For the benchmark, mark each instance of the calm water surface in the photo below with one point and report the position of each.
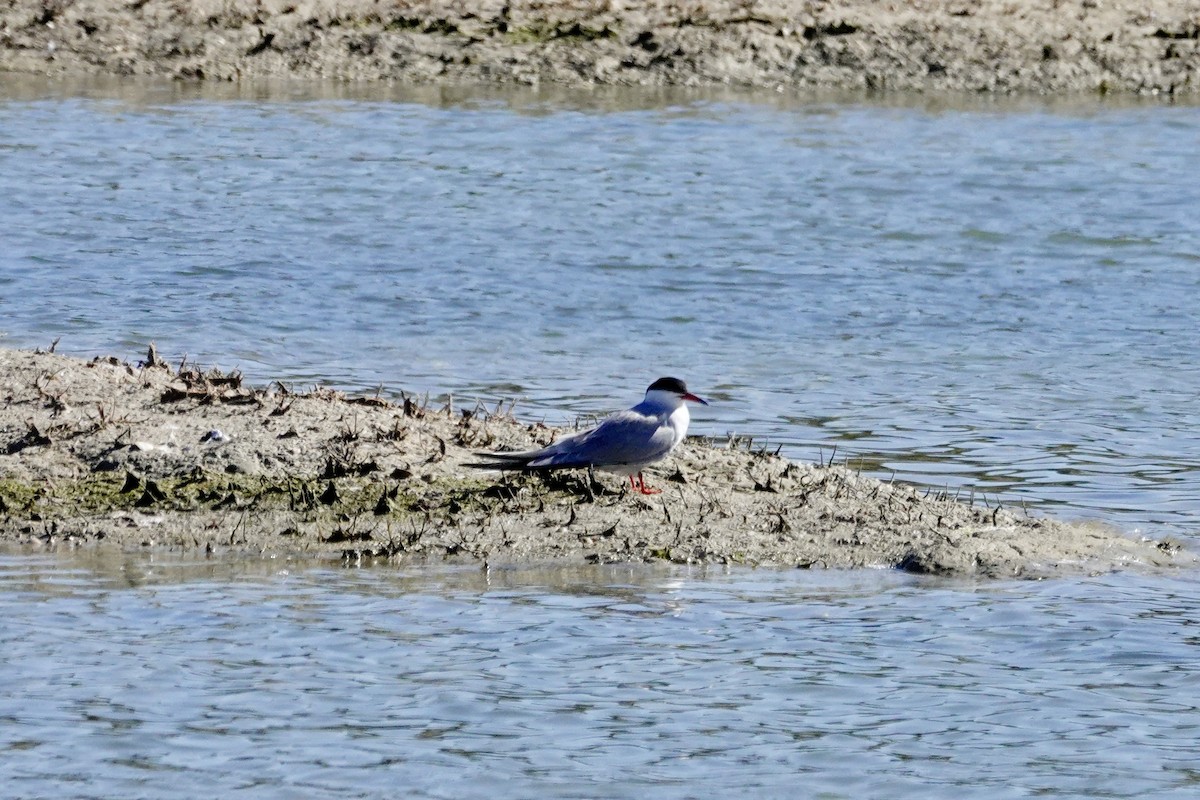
(132, 676)
(998, 298)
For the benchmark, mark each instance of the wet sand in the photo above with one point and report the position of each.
(1032, 46)
(157, 455)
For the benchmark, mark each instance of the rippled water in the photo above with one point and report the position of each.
(999, 298)
(133, 676)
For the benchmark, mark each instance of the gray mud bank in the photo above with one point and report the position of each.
(1032, 46)
(156, 455)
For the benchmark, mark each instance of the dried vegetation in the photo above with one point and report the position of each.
(154, 455)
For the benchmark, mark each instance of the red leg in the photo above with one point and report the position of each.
(642, 487)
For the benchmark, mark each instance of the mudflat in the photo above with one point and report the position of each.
(159, 455)
(1002, 46)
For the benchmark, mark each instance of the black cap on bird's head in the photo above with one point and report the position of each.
(674, 386)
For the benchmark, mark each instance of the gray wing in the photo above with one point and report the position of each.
(624, 438)
(523, 459)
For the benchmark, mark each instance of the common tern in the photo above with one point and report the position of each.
(625, 443)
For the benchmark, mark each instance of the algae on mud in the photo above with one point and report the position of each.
(147, 455)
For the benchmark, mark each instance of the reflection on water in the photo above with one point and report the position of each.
(133, 675)
(544, 99)
(986, 296)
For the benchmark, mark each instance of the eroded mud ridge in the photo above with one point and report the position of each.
(1041, 46)
(158, 455)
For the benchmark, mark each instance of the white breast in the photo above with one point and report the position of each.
(678, 421)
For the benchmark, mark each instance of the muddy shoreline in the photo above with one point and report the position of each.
(1034, 46)
(149, 454)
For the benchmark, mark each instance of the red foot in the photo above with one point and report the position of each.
(639, 485)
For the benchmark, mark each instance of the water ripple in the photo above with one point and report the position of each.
(972, 297)
(171, 678)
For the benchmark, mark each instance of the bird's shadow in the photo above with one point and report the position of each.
(582, 484)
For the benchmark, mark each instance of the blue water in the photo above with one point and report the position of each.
(1000, 298)
(138, 677)
(995, 299)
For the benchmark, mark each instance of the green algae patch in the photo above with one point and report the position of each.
(61, 498)
(105, 493)
(16, 497)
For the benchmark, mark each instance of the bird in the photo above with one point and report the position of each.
(625, 443)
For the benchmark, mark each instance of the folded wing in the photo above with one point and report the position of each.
(626, 438)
